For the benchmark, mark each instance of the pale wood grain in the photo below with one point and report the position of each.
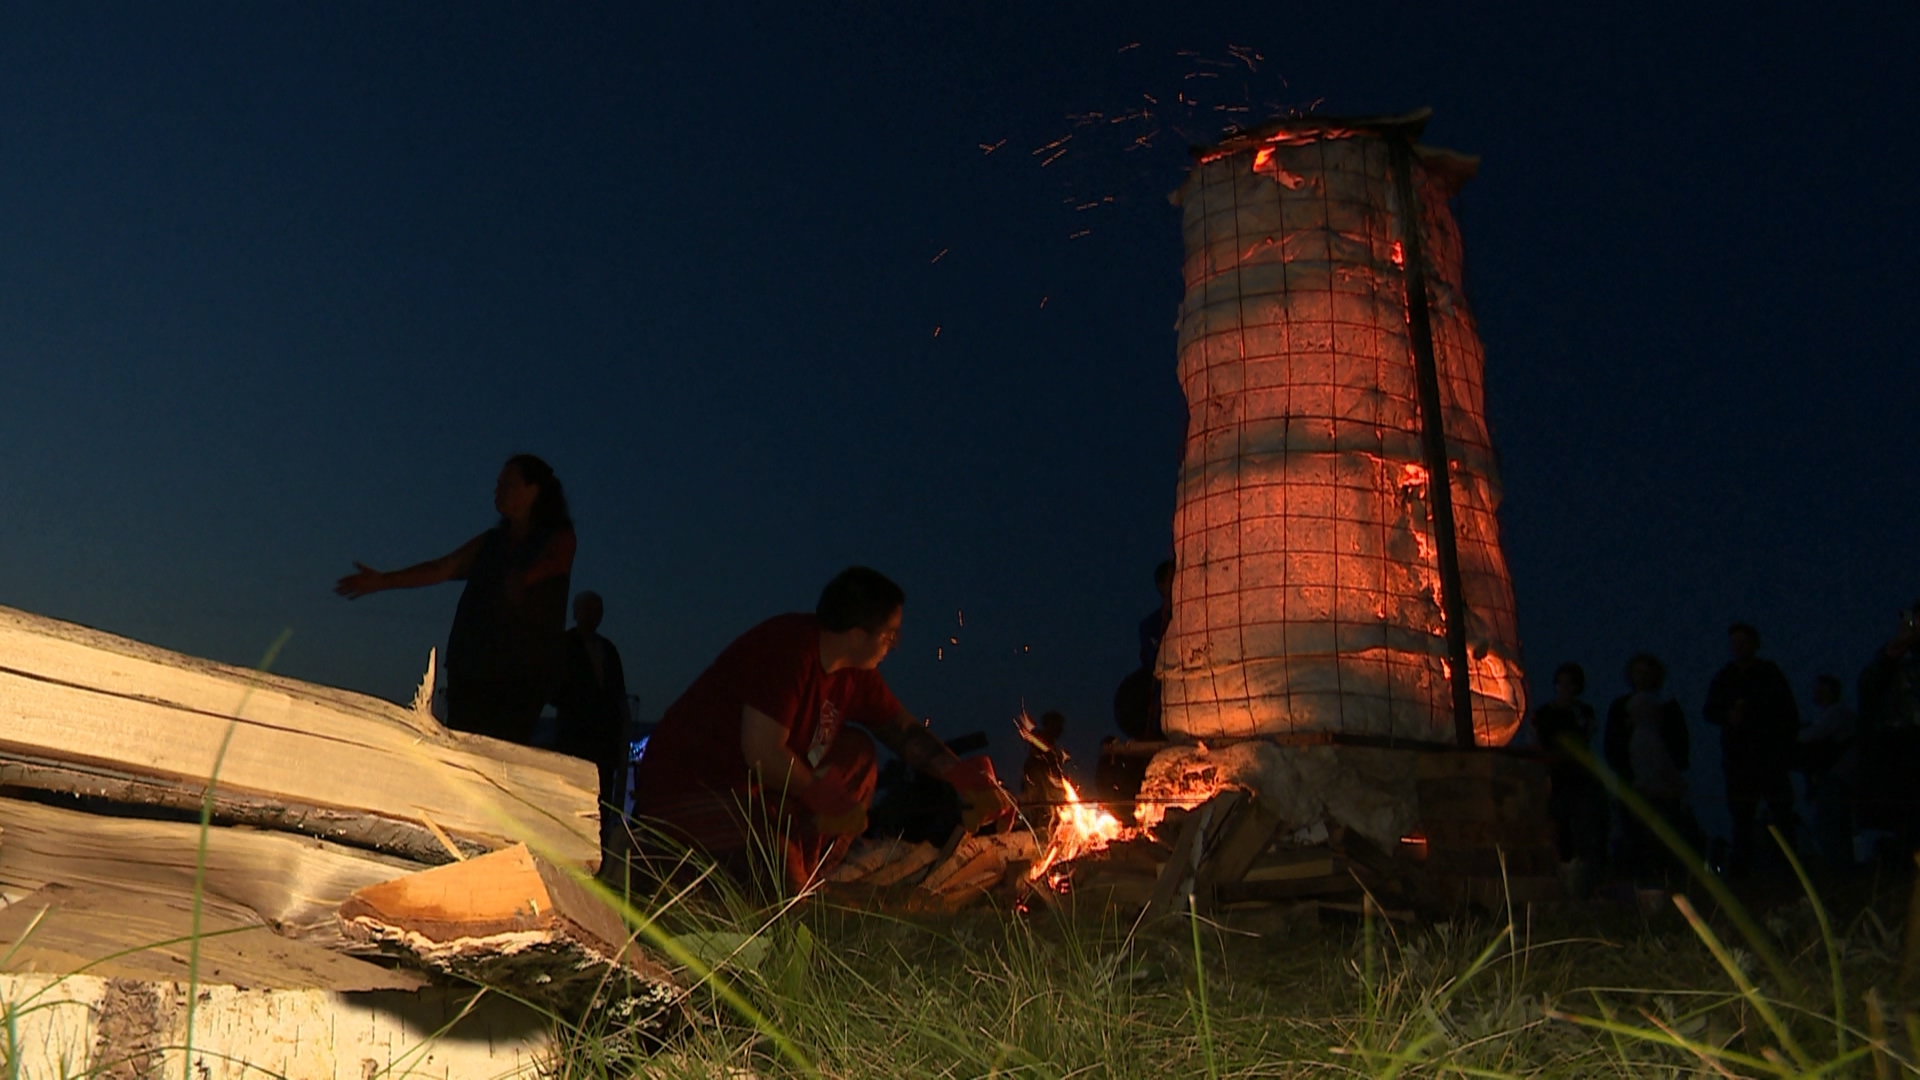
(309, 758)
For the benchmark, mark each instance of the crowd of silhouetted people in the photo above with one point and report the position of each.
(1859, 765)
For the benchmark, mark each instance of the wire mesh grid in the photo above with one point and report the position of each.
(1306, 593)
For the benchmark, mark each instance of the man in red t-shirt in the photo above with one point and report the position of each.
(760, 754)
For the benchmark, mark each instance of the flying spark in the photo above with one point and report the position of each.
(985, 149)
(942, 255)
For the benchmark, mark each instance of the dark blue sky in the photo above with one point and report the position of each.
(282, 285)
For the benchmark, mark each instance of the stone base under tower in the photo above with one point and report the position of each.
(1433, 829)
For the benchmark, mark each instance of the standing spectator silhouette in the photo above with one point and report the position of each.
(1578, 801)
(1752, 704)
(1830, 756)
(503, 652)
(1889, 733)
(1648, 747)
(1136, 704)
(591, 701)
(1153, 628)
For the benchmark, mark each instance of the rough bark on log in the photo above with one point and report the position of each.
(292, 883)
(121, 934)
(512, 920)
(87, 712)
(123, 1029)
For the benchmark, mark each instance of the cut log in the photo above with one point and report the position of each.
(121, 934)
(93, 714)
(291, 883)
(514, 921)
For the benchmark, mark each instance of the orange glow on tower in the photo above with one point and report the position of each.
(1306, 595)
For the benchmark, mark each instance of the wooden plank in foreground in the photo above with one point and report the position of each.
(86, 712)
(119, 934)
(513, 921)
(291, 883)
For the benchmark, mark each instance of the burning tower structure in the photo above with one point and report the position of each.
(1338, 567)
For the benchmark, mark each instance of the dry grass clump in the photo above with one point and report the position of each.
(1580, 991)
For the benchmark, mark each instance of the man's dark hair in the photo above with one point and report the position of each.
(1744, 628)
(1162, 572)
(1829, 683)
(858, 596)
(1570, 668)
(1656, 668)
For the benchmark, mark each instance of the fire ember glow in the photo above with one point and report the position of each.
(1079, 829)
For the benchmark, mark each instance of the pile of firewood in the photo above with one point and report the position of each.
(352, 844)
(918, 877)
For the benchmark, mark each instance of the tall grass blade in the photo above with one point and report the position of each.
(1200, 983)
(1826, 938)
(200, 853)
(1747, 990)
(1756, 936)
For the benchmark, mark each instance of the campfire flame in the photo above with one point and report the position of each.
(1079, 828)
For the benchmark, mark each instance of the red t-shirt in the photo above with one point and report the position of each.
(774, 667)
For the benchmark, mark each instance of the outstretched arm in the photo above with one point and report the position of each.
(365, 579)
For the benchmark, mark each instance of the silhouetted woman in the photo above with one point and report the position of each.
(504, 651)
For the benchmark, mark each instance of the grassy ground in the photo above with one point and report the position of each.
(1591, 990)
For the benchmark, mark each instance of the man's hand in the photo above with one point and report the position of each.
(364, 579)
(982, 799)
(835, 812)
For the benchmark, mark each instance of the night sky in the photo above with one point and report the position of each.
(282, 285)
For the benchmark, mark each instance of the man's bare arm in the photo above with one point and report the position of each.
(920, 748)
(764, 743)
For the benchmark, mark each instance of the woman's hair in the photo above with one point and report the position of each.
(1578, 674)
(550, 506)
